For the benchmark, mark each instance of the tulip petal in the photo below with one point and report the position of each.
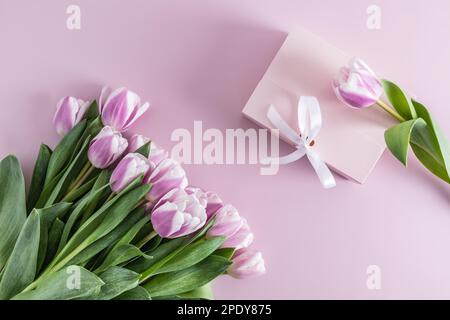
(247, 264)
(106, 148)
(166, 220)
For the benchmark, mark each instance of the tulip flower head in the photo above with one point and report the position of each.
(136, 141)
(357, 85)
(128, 169)
(178, 214)
(167, 175)
(69, 111)
(157, 154)
(227, 222)
(106, 148)
(212, 200)
(199, 194)
(121, 108)
(246, 263)
(242, 238)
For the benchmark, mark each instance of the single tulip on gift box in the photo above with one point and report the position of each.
(357, 86)
(306, 65)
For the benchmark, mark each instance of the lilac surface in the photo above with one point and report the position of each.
(200, 60)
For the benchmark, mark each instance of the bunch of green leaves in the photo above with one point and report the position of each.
(420, 131)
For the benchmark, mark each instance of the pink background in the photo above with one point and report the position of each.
(200, 60)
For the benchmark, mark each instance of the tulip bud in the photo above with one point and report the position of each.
(178, 214)
(241, 239)
(167, 175)
(121, 109)
(137, 141)
(106, 148)
(357, 85)
(69, 111)
(129, 168)
(215, 203)
(246, 264)
(227, 223)
(157, 154)
(211, 200)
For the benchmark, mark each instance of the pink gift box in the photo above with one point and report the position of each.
(351, 141)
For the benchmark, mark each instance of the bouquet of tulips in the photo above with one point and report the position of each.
(358, 87)
(105, 218)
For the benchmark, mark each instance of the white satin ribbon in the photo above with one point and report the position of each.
(309, 124)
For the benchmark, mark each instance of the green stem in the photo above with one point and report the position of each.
(82, 172)
(390, 110)
(110, 197)
(147, 238)
(82, 177)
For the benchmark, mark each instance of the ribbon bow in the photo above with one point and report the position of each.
(309, 123)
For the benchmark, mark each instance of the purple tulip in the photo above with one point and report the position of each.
(167, 175)
(106, 148)
(357, 85)
(178, 214)
(211, 200)
(246, 264)
(129, 168)
(121, 109)
(227, 223)
(242, 238)
(69, 111)
(157, 154)
(137, 141)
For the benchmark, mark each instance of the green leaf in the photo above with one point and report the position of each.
(77, 212)
(161, 252)
(174, 283)
(92, 111)
(201, 293)
(205, 292)
(117, 281)
(123, 251)
(20, 269)
(192, 254)
(72, 282)
(49, 214)
(152, 244)
(54, 191)
(80, 191)
(63, 151)
(144, 150)
(397, 139)
(138, 293)
(38, 178)
(110, 239)
(102, 180)
(12, 205)
(143, 233)
(54, 236)
(399, 100)
(225, 252)
(157, 262)
(430, 145)
(47, 217)
(93, 127)
(131, 234)
(48, 189)
(121, 254)
(120, 210)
